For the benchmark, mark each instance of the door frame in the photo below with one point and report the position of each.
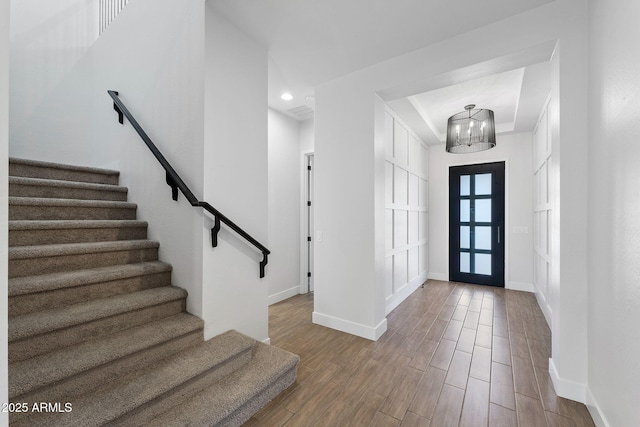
(507, 214)
(306, 221)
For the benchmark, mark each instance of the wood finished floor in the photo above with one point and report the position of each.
(453, 355)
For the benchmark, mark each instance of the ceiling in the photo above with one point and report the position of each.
(311, 42)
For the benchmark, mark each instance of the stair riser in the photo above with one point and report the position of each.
(246, 411)
(77, 235)
(69, 213)
(56, 264)
(100, 376)
(49, 192)
(28, 303)
(32, 346)
(177, 395)
(32, 171)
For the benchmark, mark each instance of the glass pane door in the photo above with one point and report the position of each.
(476, 224)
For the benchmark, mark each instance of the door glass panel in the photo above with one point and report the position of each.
(483, 264)
(465, 237)
(464, 262)
(464, 185)
(483, 210)
(483, 237)
(483, 184)
(465, 215)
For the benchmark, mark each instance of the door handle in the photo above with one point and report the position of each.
(498, 234)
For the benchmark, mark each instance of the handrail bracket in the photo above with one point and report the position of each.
(174, 186)
(263, 264)
(214, 232)
(118, 110)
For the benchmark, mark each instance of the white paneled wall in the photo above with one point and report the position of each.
(407, 211)
(542, 207)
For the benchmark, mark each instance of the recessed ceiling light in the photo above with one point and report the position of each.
(286, 96)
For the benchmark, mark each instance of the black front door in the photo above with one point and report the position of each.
(476, 224)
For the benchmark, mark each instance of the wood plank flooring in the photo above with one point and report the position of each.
(453, 355)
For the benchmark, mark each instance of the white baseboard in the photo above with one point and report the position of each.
(281, 296)
(520, 286)
(267, 341)
(546, 309)
(396, 299)
(565, 388)
(438, 276)
(353, 328)
(594, 409)
(578, 392)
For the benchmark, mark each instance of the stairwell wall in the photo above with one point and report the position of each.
(47, 39)
(153, 55)
(4, 192)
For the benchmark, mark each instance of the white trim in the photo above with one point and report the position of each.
(304, 159)
(396, 299)
(353, 328)
(438, 276)
(565, 388)
(546, 308)
(594, 409)
(281, 296)
(520, 286)
(267, 341)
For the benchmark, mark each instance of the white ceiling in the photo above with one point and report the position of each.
(311, 42)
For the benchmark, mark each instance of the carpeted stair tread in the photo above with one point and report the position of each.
(53, 188)
(18, 225)
(57, 290)
(49, 368)
(45, 259)
(67, 279)
(41, 251)
(45, 321)
(223, 402)
(46, 232)
(48, 170)
(45, 201)
(106, 405)
(42, 208)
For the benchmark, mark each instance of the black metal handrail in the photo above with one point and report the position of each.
(176, 183)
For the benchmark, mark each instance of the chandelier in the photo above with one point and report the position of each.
(471, 130)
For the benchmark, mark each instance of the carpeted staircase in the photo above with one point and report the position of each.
(97, 333)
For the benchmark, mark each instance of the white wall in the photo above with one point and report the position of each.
(515, 151)
(284, 207)
(568, 229)
(4, 193)
(235, 178)
(306, 136)
(406, 211)
(544, 193)
(349, 185)
(614, 206)
(47, 39)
